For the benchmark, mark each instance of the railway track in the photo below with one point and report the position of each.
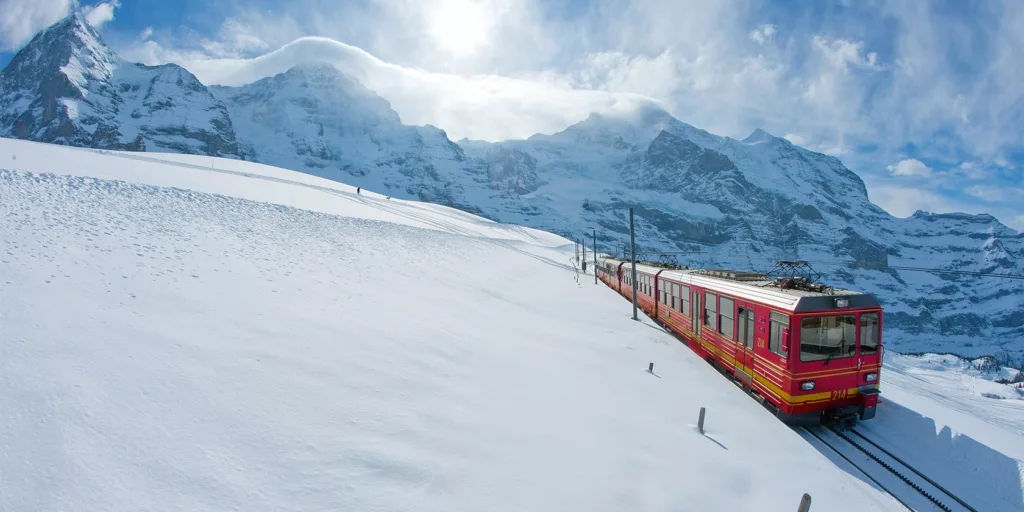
(909, 486)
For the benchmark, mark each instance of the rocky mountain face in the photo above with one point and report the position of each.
(700, 199)
(710, 201)
(67, 87)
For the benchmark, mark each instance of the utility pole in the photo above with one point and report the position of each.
(583, 245)
(632, 258)
(595, 255)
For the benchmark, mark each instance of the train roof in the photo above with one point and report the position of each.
(759, 288)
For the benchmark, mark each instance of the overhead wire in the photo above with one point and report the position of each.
(848, 264)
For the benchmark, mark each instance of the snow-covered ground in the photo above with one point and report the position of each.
(941, 415)
(185, 333)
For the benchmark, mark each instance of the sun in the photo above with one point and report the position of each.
(459, 26)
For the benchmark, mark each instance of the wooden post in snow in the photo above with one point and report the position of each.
(805, 503)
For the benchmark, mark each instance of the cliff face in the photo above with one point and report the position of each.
(67, 87)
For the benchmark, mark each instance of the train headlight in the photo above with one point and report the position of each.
(871, 377)
(807, 386)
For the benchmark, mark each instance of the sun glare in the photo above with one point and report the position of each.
(459, 26)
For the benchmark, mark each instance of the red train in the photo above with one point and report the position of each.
(813, 354)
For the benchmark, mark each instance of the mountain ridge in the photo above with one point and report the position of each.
(716, 200)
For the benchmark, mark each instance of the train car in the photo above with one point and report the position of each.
(608, 272)
(814, 354)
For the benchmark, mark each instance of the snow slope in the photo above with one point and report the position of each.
(178, 334)
(941, 415)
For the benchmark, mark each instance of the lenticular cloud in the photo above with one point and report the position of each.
(486, 107)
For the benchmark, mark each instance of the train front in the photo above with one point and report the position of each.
(840, 357)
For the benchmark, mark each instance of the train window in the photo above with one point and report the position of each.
(675, 296)
(710, 310)
(684, 306)
(726, 320)
(869, 333)
(778, 323)
(827, 337)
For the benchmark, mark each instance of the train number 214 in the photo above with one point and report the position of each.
(839, 394)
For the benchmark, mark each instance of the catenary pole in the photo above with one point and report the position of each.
(583, 245)
(595, 255)
(632, 258)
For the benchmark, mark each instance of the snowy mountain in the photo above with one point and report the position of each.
(67, 87)
(719, 201)
(320, 121)
(747, 204)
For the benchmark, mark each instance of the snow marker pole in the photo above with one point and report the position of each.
(700, 420)
(805, 503)
(632, 257)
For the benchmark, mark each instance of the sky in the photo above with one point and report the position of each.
(925, 100)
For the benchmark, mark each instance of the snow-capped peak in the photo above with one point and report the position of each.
(71, 46)
(759, 136)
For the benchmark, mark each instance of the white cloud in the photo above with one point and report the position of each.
(985, 192)
(765, 34)
(101, 13)
(486, 107)
(994, 194)
(844, 54)
(795, 139)
(1017, 223)
(904, 201)
(146, 33)
(235, 39)
(971, 170)
(20, 20)
(910, 167)
(656, 77)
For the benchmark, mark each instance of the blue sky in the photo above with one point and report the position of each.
(925, 100)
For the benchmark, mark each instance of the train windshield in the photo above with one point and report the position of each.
(828, 337)
(869, 333)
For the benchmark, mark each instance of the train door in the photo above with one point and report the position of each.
(746, 329)
(869, 353)
(698, 311)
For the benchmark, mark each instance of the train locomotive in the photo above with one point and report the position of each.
(811, 354)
